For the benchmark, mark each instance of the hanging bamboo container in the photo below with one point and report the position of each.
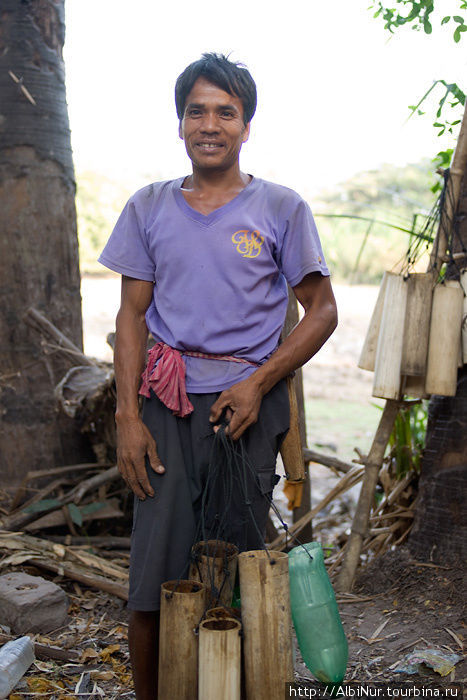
(368, 354)
(222, 613)
(445, 333)
(291, 448)
(219, 659)
(414, 387)
(182, 608)
(387, 380)
(267, 623)
(215, 564)
(417, 324)
(464, 318)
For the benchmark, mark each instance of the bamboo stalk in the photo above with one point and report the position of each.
(215, 565)
(291, 448)
(182, 608)
(456, 173)
(219, 659)
(368, 355)
(360, 522)
(267, 623)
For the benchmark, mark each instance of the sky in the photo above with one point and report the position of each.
(333, 87)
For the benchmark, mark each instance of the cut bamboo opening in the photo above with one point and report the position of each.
(182, 608)
(219, 659)
(267, 623)
(215, 564)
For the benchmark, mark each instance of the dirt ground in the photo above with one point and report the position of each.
(399, 605)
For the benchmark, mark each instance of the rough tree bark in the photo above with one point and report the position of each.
(38, 244)
(440, 526)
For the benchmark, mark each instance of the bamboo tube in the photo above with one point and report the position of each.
(182, 607)
(267, 624)
(222, 613)
(387, 379)
(464, 317)
(216, 566)
(417, 324)
(291, 448)
(368, 354)
(353, 546)
(219, 659)
(445, 330)
(414, 387)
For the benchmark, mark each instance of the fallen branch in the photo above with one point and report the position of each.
(326, 460)
(42, 651)
(47, 329)
(346, 483)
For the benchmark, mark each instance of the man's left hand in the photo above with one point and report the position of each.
(242, 403)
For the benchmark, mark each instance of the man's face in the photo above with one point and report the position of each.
(212, 126)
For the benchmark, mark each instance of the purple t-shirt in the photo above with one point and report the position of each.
(221, 279)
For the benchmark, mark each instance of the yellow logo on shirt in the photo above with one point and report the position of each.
(248, 243)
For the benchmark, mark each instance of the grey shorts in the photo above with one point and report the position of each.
(166, 526)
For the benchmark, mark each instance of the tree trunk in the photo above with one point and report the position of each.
(38, 246)
(440, 525)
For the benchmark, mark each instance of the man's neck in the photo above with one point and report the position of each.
(220, 180)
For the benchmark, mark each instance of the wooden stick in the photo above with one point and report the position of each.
(291, 448)
(78, 574)
(326, 460)
(362, 514)
(456, 172)
(44, 652)
(40, 323)
(343, 485)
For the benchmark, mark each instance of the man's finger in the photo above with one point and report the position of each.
(141, 477)
(217, 408)
(154, 459)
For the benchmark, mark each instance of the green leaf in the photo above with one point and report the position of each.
(445, 20)
(46, 504)
(75, 514)
(427, 26)
(92, 508)
(458, 19)
(457, 34)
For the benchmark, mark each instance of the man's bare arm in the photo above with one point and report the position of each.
(134, 440)
(243, 400)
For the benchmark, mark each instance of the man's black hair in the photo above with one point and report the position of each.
(231, 77)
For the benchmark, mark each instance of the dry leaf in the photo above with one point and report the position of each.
(102, 675)
(106, 653)
(88, 653)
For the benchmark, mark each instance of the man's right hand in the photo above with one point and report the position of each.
(134, 442)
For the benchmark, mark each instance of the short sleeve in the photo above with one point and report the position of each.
(301, 251)
(127, 250)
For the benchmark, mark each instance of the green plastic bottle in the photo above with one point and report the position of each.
(316, 619)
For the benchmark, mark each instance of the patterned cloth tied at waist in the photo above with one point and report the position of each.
(165, 374)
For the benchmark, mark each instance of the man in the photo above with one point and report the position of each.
(205, 261)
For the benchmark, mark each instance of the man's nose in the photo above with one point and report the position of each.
(210, 123)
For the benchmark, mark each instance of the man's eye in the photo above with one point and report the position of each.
(227, 113)
(194, 112)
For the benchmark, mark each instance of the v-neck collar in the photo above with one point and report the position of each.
(208, 219)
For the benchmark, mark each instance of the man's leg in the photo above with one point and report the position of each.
(143, 640)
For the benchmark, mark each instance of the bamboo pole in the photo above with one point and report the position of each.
(291, 448)
(182, 608)
(267, 623)
(445, 337)
(368, 354)
(387, 380)
(417, 324)
(216, 566)
(464, 317)
(456, 172)
(365, 500)
(219, 659)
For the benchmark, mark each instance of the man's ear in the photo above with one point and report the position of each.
(180, 132)
(246, 133)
